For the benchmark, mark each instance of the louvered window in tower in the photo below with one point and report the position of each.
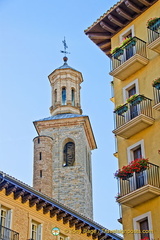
(69, 154)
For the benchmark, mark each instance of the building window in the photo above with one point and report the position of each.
(36, 231)
(130, 50)
(40, 156)
(5, 222)
(136, 151)
(130, 89)
(69, 154)
(63, 96)
(55, 95)
(5, 216)
(40, 173)
(73, 97)
(38, 140)
(143, 225)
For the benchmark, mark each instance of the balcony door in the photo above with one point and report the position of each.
(139, 177)
(133, 108)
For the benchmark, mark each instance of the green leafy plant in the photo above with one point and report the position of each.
(114, 50)
(134, 97)
(155, 81)
(151, 21)
(125, 41)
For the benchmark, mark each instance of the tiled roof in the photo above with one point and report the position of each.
(61, 116)
(104, 15)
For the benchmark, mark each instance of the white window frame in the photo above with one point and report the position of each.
(131, 148)
(128, 87)
(39, 229)
(8, 219)
(121, 36)
(136, 225)
(131, 28)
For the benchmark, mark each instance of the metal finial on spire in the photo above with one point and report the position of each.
(65, 52)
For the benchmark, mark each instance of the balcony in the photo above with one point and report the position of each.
(135, 119)
(132, 58)
(8, 234)
(154, 37)
(156, 93)
(141, 187)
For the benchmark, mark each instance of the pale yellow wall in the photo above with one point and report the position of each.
(23, 214)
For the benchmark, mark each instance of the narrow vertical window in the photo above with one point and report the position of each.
(63, 96)
(69, 154)
(36, 230)
(143, 229)
(38, 140)
(55, 95)
(40, 156)
(41, 173)
(73, 97)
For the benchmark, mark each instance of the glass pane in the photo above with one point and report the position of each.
(63, 96)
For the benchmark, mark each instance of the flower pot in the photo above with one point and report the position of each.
(155, 25)
(118, 53)
(128, 176)
(137, 100)
(157, 86)
(121, 110)
(131, 44)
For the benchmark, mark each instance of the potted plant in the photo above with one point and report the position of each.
(153, 23)
(116, 52)
(135, 99)
(156, 83)
(128, 42)
(124, 173)
(138, 165)
(121, 109)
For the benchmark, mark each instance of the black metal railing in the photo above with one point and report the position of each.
(8, 234)
(149, 176)
(156, 94)
(134, 46)
(134, 110)
(153, 31)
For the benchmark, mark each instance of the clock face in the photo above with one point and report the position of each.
(55, 231)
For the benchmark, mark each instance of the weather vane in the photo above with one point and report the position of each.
(65, 47)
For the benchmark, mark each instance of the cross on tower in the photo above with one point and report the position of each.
(65, 47)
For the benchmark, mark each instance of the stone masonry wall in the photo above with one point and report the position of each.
(42, 181)
(70, 185)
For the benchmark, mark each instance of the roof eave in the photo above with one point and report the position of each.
(114, 20)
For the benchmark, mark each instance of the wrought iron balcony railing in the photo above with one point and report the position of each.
(8, 234)
(153, 32)
(132, 47)
(150, 176)
(136, 108)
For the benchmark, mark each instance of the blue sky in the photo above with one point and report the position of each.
(30, 44)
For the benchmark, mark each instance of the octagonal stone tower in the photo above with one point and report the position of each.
(62, 149)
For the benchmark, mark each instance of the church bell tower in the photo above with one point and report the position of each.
(62, 149)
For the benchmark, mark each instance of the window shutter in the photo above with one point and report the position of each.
(39, 232)
(8, 219)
